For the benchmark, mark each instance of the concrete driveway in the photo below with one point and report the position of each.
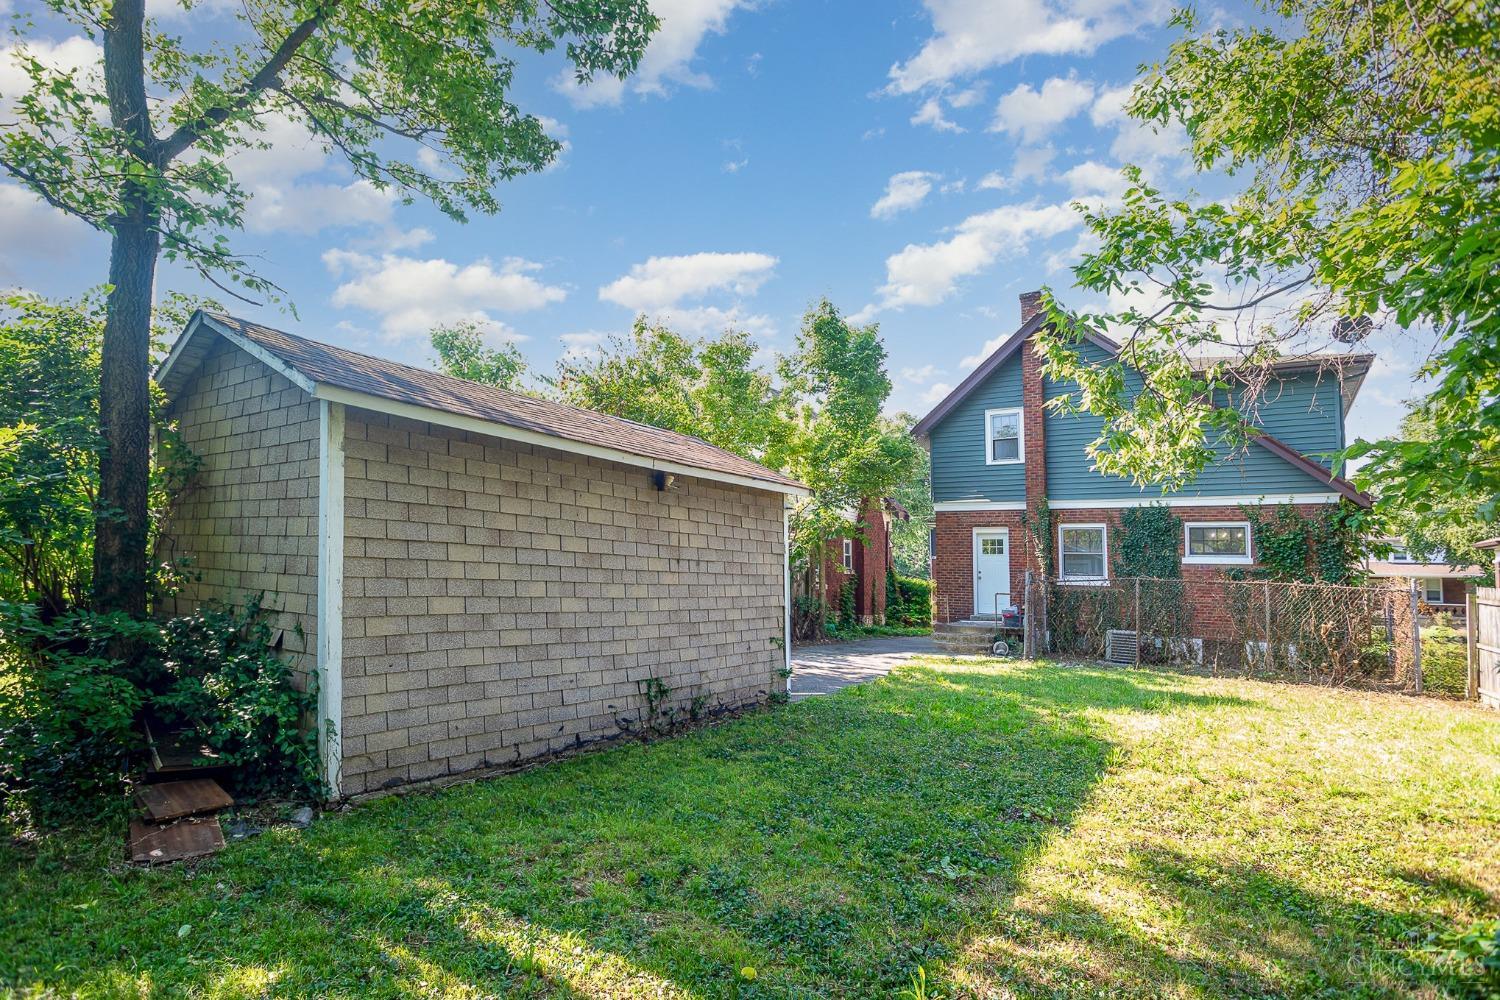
(822, 669)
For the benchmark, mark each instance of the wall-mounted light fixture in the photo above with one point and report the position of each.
(662, 480)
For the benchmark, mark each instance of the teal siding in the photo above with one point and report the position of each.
(1304, 410)
(1301, 411)
(959, 471)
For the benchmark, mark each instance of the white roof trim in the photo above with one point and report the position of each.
(954, 506)
(459, 421)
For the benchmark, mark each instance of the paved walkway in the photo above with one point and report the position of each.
(823, 669)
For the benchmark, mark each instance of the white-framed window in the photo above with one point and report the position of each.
(1004, 437)
(1399, 553)
(1432, 589)
(1216, 542)
(848, 555)
(1083, 553)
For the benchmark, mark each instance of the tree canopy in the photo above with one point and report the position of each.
(462, 352)
(142, 148)
(1367, 135)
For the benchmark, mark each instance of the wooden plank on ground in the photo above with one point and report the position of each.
(153, 844)
(171, 800)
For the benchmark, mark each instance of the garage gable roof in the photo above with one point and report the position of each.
(341, 375)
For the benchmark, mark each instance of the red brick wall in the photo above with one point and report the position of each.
(872, 554)
(953, 567)
(1033, 416)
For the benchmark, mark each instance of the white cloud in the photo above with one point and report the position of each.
(936, 392)
(1030, 164)
(735, 166)
(582, 346)
(1094, 178)
(926, 274)
(1032, 114)
(664, 281)
(669, 55)
(968, 97)
(707, 321)
(974, 35)
(1135, 142)
(931, 113)
(412, 295)
(921, 374)
(990, 347)
(76, 57)
(35, 230)
(903, 192)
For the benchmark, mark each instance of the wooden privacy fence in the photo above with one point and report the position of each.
(1484, 645)
(1311, 632)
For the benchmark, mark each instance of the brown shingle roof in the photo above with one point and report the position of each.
(328, 365)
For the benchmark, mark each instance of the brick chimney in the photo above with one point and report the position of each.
(1031, 304)
(1033, 395)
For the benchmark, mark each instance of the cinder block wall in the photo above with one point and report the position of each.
(250, 521)
(503, 601)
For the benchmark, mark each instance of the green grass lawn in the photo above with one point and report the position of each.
(1014, 829)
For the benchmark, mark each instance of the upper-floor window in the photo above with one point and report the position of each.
(1400, 553)
(1083, 553)
(848, 555)
(1216, 542)
(1003, 440)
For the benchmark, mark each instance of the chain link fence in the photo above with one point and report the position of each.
(1310, 632)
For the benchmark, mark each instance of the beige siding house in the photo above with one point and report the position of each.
(475, 576)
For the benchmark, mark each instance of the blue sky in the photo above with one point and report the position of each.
(912, 161)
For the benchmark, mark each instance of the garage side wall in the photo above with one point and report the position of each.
(504, 601)
(249, 522)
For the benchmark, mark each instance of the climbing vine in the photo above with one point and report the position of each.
(1147, 543)
(1040, 526)
(1291, 548)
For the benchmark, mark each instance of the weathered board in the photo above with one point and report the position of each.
(171, 800)
(1487, 644)
(152, 844)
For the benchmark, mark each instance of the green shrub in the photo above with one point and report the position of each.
(1445, 658)
(77, 687)
(908, 601)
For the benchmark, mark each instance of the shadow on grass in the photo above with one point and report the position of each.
(833, 846)
(1245, 932)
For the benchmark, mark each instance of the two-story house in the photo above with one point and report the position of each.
(999, 452)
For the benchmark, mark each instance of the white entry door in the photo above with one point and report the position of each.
(991, 570)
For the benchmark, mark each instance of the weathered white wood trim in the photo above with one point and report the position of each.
(250, 347)
(331, 591)
(954, 506)
(1226, 501)
(786, 588)
(491, 428)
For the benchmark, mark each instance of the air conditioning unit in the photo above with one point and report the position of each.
(1120, 645)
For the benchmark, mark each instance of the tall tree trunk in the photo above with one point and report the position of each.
(124, 382)
(125, 417)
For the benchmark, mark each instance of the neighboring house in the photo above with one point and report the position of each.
(998, 455)
(1492, 545)
(862, 559)
(1440, 584)
(474, 576)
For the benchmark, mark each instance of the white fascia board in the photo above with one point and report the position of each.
(491, 428)
(262, 355)
(1227, 501)
(178, 349)
(331, 592)
(786, 589)
(953, 506)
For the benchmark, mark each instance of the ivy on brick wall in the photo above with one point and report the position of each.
(1146, 543)
(1039, 524)
(1290, 548)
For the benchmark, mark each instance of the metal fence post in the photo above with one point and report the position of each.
(1137, 621)
(1471, 632)
(1028, 644)
(1416, 642)
(1266, 657)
